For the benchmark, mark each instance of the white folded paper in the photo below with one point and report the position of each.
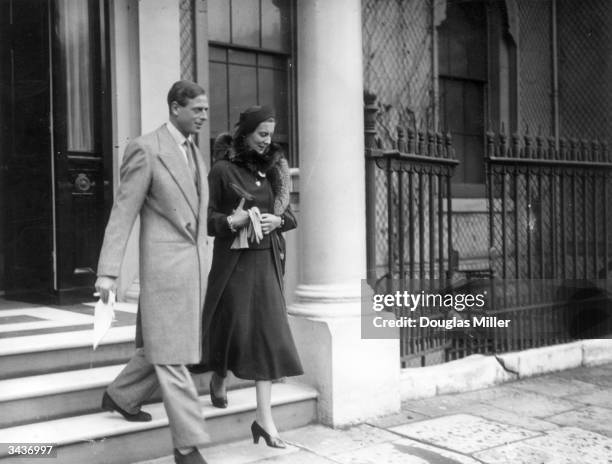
(104, 315)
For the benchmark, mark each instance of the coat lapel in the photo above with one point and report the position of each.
(174, 160)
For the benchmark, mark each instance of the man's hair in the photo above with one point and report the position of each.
(182, 91)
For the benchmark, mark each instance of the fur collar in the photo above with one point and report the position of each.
(273, 164)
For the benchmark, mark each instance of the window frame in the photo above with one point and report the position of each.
(290, 141)
(498, 115)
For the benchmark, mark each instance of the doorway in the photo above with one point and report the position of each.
(55, 152)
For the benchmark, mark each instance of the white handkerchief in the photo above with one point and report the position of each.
(104, 315)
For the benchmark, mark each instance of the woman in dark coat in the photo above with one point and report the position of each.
(246, 329)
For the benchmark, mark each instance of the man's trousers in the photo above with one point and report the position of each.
(139, 380)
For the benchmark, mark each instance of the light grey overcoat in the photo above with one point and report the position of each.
(156, 184)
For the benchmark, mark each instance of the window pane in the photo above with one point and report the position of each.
(473, 108)
(217, 54)
(453, 105)
(273, 91)
(219, 20)
(239, 57)
(242, 90)
(463, 40)
(473, 160)
(75, 38)
(272, 61)
(245, 22)
(219, 121)
(275, 24)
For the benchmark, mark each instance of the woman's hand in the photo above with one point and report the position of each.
(240, 217)
(269, 222)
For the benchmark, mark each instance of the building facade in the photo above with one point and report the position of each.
(81, 79)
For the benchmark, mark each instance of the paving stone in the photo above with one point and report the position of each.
(591, 418)
(596, 375)
(240, 452)
(464, 433)
(601, 398)
(394, 420)
(300, 457)
(449, 404)
(532, 404)
(522, 454)
(402, 452)
(326, 441)
(553, 385)
(563, 445)
(508, 417)
(485, 395)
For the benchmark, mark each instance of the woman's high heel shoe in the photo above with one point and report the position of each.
(217, 401)
(258, 431)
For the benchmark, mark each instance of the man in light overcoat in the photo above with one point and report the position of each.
(164, 181)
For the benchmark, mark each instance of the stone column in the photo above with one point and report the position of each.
(357, 379)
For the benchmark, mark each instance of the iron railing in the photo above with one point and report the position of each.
(409, 211)
(550, 231)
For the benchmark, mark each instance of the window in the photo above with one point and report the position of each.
(250, 59)
(476, 67)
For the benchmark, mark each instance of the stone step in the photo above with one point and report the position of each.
(45, 397)
(106, 438)
(42, 354)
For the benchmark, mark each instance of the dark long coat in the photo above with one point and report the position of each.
(223, 199)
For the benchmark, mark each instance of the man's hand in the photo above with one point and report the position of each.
(104, 285)
(269, 222)
(240, 217)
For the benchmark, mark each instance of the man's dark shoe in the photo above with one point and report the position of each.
(109, 405)
(192, 458)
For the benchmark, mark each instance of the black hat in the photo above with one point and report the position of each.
(252, 117)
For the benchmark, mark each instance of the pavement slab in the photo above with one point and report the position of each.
(393, 420)
(591, 418)
(240, 452)
(484, 395)
(601, 398)
(299, 457)
(455, 403)
(464, 433)
(565, 445)
(601, 376)
(403, 452)
(487, 411)
(553, 385)
(532, 404)
(324, 441)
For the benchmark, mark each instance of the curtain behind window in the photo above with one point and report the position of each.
(75, 40)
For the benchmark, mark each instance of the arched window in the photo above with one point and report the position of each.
(476, 78)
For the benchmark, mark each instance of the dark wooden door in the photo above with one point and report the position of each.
(26, 146)
(81, 131)
(55, 146)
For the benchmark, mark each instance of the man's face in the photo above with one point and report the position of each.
(189, 118)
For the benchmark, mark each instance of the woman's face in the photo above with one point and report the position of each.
(260, 138)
